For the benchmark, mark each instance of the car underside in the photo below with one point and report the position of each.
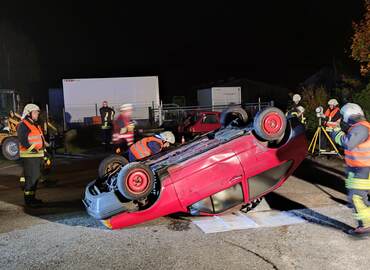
(233, 166)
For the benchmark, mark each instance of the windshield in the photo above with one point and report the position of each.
(6, 103)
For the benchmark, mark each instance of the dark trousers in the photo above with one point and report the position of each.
(32, 173)
(107, 135)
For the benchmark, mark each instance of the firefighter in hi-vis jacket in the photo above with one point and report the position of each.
(355, 140)
(31, 147)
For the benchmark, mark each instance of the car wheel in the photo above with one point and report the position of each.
(233, 113)
(111, 164)
(10, 148)
(270, 124)
(135, 181)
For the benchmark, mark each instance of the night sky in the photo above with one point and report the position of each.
(279, 42)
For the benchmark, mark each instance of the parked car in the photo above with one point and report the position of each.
(199, 123)
(232, 167)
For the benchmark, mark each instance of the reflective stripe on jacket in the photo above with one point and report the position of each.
(141, 149)
(35, 139)
(330, 114)
(360, 155)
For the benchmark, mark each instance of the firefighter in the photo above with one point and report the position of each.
(123, 129)
(332, 116)
(31, 148)
(299, 113)
(331, 122)
(356, 143)
(150, 145)
(107, 116)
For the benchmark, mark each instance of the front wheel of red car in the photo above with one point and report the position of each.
(270, 124)
(135, 181)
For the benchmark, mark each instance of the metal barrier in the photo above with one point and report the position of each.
(152, 116)
(171, 112)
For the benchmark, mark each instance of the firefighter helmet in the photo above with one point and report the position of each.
(296, 98)
(125, 107)
(333, 102)
(351, 110)
(167, 136)
(29, 108)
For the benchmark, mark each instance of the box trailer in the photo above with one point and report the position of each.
(219, 96)
(84, 97)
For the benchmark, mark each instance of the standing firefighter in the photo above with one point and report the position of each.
(150, 145)
(32, 145)
(123, 128)
(356, 144)
(107, 116)
(332, 116)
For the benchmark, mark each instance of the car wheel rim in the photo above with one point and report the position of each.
(272, 123)
(12, 149)
(138, 181)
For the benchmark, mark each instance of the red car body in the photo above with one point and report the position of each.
(244, 163)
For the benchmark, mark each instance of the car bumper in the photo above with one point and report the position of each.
(101, 205)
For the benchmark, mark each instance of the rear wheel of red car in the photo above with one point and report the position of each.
(270, 124)
(135, 181)
(234, 113)
(111, 164)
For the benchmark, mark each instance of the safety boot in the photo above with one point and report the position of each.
(31, 201)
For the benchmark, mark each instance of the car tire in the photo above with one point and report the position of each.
(111, 164)
(270, 124)
(230, 114)
(135, 181)
(10, 148)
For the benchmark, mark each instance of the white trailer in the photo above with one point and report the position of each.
(219, 96)
(83, 97)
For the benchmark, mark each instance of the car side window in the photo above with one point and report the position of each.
(210, 119)
(220, 201)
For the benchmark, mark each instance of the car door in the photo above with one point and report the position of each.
(211, 172)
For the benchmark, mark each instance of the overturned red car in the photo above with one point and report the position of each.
(233, 166)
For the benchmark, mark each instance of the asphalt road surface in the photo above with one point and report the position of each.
(61, 236)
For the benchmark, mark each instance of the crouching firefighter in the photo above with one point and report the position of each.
(31, 148)
(150, 145)
(356, 143)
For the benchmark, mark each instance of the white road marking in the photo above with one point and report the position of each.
(10, 166)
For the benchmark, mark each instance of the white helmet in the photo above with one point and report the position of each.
(300, 109)
(29, 108)
(333, 102)
(125, 107)
(296, 98)
(351, 110)
(167, 136)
